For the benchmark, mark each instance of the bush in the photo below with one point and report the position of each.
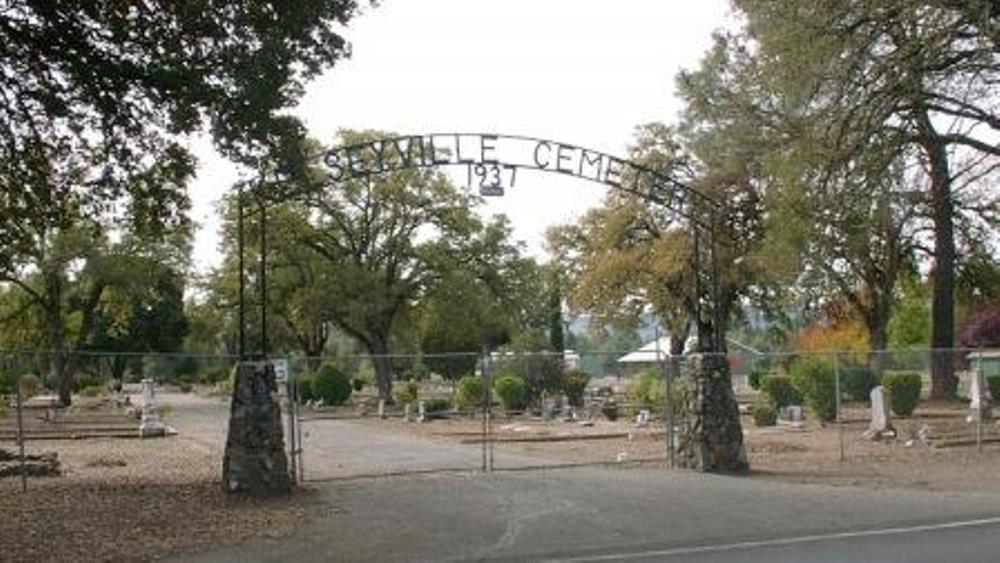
(115, 385)
(574, 385)
(469, 393)
(756, 375)
(610, 410)
(184, 387)
(904, 391)
(815, 380)
(437, 405)
(331, 386)
(84, 381)
(30, 385)
(646, 390)
(358, 384)
(858, 382)
(409, 393)
(765, 412)
(512, 391)
(304, 383)
(994, 385)
(91, 391)
(7, 382)
(780, 390)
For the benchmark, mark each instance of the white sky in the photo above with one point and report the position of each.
(585, 72)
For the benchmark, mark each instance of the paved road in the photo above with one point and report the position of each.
(622, 514)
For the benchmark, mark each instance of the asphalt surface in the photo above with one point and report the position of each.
(610, 514)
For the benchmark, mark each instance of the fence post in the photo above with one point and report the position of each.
(292, 400)
(978, 374)
(20, 436)
(840, 417)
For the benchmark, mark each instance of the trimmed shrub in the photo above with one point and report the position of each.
(184, 387)
(646, 390)
(304, 383)
(358, 384)
(512, 391)
(765, 412)
(469, 392)
(91, 391)
(30, 385)
(780, 390)
(904, 391)
(437, 405)
(408, 393)
(756, 375)
(574, 385)
(86, 380)
(331, 386)
(115, 385)
(7, 382)
(610, 410)
(994, 385)
(858, 382)
(815, 379)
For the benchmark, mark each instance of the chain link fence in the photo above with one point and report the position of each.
(350, 416)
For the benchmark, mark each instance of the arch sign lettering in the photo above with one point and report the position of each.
(492, 163)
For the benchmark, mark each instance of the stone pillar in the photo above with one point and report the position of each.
(151, 424)
(980, 404)
(711, 437)
(255, 462)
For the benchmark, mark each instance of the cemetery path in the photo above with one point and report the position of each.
(609, 514)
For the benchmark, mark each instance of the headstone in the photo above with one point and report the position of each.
(548, 410)
(422, 411)
(255, 461)
(150, 424)
(381, 408)
(881, 419)
(980, 404)
(406, 412)
(642, 419)
(795, 413)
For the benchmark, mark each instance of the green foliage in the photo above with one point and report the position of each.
(646, 390)
(437, 405)
(86, 380)
(780, 390)
(574, 385)
(857, 382)
(609, 409)
(764, 410)
(469, 392)
(7, 382)
(816, 381)
(114, 385)
(409, 393)
(331, 386)
(91, 391)
(910, 326)
(184, 387)
(512, 392)
(304, 383)
(903, 389)
(757, 373)
(30, 385)
(358, 384)
(994, 385)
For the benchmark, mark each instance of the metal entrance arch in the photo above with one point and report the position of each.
(492, 162)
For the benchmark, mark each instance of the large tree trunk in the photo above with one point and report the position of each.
(379, 348)
(943, 381)
(878, 336)
(57, 338)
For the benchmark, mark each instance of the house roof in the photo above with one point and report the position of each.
(647, 353)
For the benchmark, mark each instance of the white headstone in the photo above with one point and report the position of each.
(150, 424)
(980, 405)
(881, 419)
(642, 419)
(406, 412)
(422, 411)
(381, 408)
